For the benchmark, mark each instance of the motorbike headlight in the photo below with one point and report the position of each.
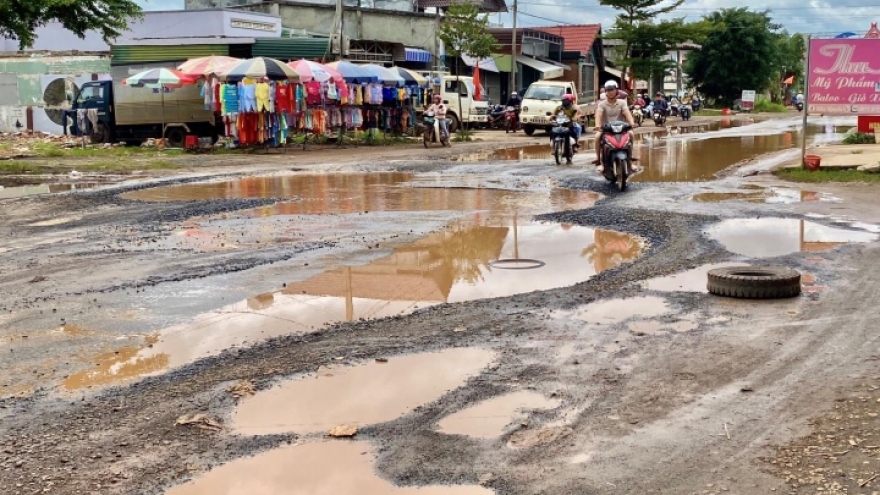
(617, 129)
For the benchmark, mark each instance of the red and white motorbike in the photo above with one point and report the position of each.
(617, 156)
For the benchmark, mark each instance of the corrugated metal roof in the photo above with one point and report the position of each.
(125, 54)
(288, 49)
(578, 37)
(504, 36)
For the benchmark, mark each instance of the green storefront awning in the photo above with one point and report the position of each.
(131, 54)
(287, 49)
(502, 62)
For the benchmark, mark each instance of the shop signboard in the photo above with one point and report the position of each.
(748, 99)
(844, 76)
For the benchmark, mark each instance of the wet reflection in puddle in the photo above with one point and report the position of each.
(769, 237)
(321, 194)
(772, 195)
(618, 310)
(689, 281)
(489, 418)
(448, 266)
(327, 468)
(358, 395)
(34, 190)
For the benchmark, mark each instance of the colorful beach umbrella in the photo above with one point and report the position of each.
(411, 78)
(257, 68)
(205, 66)
(309, 71)
(156, 78)
(385, 76)
(353, 73)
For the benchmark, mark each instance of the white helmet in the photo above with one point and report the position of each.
(611, 85)
(513, 94)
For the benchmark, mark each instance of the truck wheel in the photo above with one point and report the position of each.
(529, 130)
(455, 124)
(753, 282)
(174, 137)
(101, 134)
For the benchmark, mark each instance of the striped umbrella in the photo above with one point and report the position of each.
(309, 71)
(412, 78)
(156, 78)
(205, 66)
(257, 68)
(353, 73)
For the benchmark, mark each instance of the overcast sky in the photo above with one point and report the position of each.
(823, 18)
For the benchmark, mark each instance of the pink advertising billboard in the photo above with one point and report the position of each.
(844, 77)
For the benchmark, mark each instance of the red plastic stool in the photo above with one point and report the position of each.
(191, 141)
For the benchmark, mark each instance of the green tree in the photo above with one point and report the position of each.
(740, 52)
(633, 15)
(649, 42)
(464, 33)
(20, 18)
(789, 61)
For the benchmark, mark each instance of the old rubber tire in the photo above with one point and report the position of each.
(753, 282)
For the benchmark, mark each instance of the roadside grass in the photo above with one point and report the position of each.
(767, 106)
(802, 175)
(51, 150)
(708, 112)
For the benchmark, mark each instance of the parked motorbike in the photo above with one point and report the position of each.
(496, 118)
(432, 132)
(685, 112)
(617, 153)
(511, 122)
(560, 139)
(637, 114)
(659, 117)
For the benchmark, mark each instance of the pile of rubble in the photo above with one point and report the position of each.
(25, 144)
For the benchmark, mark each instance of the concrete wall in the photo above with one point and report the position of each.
(39, 83)
(397, 5)
(171, 24)
(408, 28)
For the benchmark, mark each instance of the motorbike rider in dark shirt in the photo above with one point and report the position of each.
(515, 101)
(660, 103)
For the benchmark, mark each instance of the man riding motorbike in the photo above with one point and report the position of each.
(439, 110)
(661, 103)
(516, 102)
(609, 110)
(570, 110)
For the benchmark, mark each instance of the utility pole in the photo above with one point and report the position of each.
(512, 85)
(340, 14)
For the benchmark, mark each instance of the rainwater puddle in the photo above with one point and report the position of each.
(694, 280)
(325, 468)
(618, 310)
(687, 323)
(38, 189)
(770, 237)
(358, 395)
(444, 267)
(771, 195)
(489, 418)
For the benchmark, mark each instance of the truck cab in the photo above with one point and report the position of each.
(544, 96)
(472, 112)
(97, 96)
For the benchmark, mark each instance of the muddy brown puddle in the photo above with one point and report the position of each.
(363, 395)
(322, 468)
(770, 195)
(449, 266)
(489, 418)
(771, 237)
